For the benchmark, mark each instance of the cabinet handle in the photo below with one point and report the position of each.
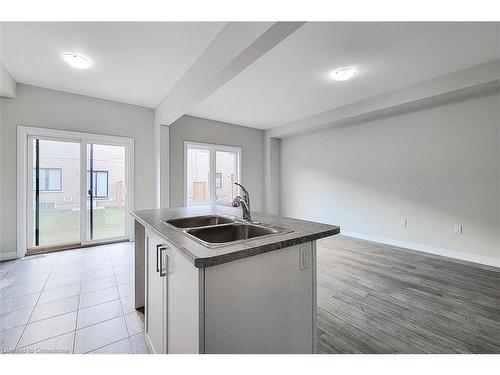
(157, 257)
(162, 249)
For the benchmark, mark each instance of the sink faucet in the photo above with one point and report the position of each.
(243, 202)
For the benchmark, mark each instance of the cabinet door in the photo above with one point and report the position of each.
(183, 304)
(156, 298)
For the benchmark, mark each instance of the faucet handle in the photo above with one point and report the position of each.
(235, 202)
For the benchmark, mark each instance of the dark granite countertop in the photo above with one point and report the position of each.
(202, 256)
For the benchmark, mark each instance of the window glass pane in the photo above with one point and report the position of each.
(226, 167)
(198, 182)
(42, 175)
(107, 217)
(59, 211)
(94, 184)
(102, 184)
(88, 183)
(54, 179)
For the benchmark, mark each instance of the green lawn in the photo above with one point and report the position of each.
(63, 226)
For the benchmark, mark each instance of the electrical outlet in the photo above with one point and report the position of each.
(404, 223)
(458, 229)
(304, 258)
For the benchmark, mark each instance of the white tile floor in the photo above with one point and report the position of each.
(75, 301)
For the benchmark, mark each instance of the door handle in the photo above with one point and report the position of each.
(162, 249)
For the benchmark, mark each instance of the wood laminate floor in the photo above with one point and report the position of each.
(375, 298)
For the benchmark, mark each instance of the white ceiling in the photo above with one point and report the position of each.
(139, 62)
(291, 81)
(134, 62)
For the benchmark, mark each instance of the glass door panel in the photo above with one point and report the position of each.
(198, 176)
(106, 192)
(226, 172)
(55, 193)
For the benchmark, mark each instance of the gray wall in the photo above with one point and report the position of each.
(272, 174)
(437, 167)
(164, 167)
(35, 106)
(7, 84)
(251, 141)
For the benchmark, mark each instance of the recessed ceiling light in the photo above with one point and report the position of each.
(343, 74)
(77, 61)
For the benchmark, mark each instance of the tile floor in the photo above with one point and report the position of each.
(75, 301)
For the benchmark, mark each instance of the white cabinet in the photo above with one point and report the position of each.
(260, 304)
(172, 299)
(183, 304)
(156, 265)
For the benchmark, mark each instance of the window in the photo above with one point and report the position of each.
(99, 182)
(209, 173)
(50, 179)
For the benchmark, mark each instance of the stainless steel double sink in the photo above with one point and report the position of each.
(221, 230)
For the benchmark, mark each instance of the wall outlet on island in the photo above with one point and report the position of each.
(458, 229)
(404, 223)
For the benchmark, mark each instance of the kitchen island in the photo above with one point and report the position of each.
(210, 282)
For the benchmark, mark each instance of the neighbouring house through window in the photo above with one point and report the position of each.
(46, 206)
(99, 182)
(50, 179)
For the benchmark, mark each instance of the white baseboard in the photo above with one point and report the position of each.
(8, 256)
(460, 255)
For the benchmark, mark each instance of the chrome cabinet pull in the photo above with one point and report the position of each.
(162, 272)
(157, 257)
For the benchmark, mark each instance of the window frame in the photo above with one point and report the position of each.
(212, 148)
(47, 180)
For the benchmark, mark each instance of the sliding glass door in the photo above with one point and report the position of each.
(106, 191)
(55, 193)
(77, 190)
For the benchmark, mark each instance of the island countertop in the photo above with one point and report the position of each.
(202, 257)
